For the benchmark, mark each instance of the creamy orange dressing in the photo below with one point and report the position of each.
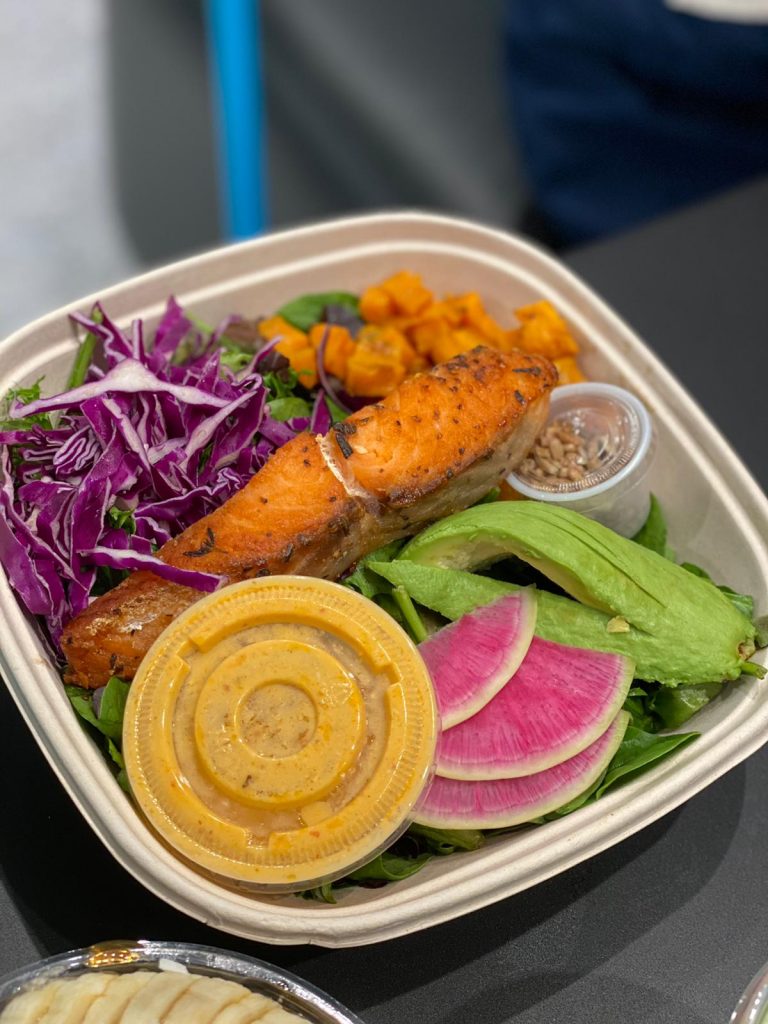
(280, 731)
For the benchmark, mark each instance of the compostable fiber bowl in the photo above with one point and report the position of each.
(718, 518)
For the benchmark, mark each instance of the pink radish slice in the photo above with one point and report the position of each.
(557, 703)
(471, 659)
(499, 803)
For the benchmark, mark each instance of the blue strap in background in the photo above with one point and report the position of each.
(233, 29)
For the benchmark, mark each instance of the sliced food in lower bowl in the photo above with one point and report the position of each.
(162, 983)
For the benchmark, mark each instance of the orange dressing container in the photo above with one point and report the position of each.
(279, 732)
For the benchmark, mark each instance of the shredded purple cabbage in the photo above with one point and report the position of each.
(148, 444)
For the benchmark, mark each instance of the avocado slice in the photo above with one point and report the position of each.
(682, 629)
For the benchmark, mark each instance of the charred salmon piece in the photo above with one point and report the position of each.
(434, 446)
(443, 439)
(293, 516)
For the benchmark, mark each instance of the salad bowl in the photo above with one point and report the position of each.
(717, 515)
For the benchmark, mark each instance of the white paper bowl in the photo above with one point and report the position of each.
(718, 518)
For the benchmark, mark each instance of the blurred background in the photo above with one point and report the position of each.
(128, 142)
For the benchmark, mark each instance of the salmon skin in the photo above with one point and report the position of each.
(434, 446)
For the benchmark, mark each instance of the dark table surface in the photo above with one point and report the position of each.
(665, 928)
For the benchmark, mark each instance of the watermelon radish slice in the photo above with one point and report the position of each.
(499, 803)
(471, 659)
(557, 703)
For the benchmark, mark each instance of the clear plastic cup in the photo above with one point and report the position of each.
(752, 1008)
(615, 440)
(294, 995)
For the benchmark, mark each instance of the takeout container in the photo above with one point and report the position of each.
(717, 514)
(293, 994)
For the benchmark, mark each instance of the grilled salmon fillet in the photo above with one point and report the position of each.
(437, 444)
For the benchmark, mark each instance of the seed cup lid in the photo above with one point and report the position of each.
(279, 732)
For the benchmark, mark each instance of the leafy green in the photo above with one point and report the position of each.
(337, 413)
(121, 519)
(281, 383)
(393, 599)
(761, 625)
(323, 893)
(638, 751)
(307, 310)
(288, 408)
(636, 704)
(107, 579)
(234, 357)
(492, 495)
(109, 720)
(82, 701)
(122, 776)
(23, 396)
(442, 841)
(389, 867)
(370, 583)
(674, 707)
(653, 533)
(112, 708)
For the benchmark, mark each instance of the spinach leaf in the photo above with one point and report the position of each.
(676, 706)
(307, 310)
(112, 709)
(337, 413)
(389, 867)
(82, 701)
(443, 841)
(117, 757)
(109, 720)
(638, 751)
(365, 580)
(323, 893)
(288, 408)
(395, 600)
(653, 533)
(637, 706)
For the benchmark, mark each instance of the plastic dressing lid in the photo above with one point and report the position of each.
(280, 731)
